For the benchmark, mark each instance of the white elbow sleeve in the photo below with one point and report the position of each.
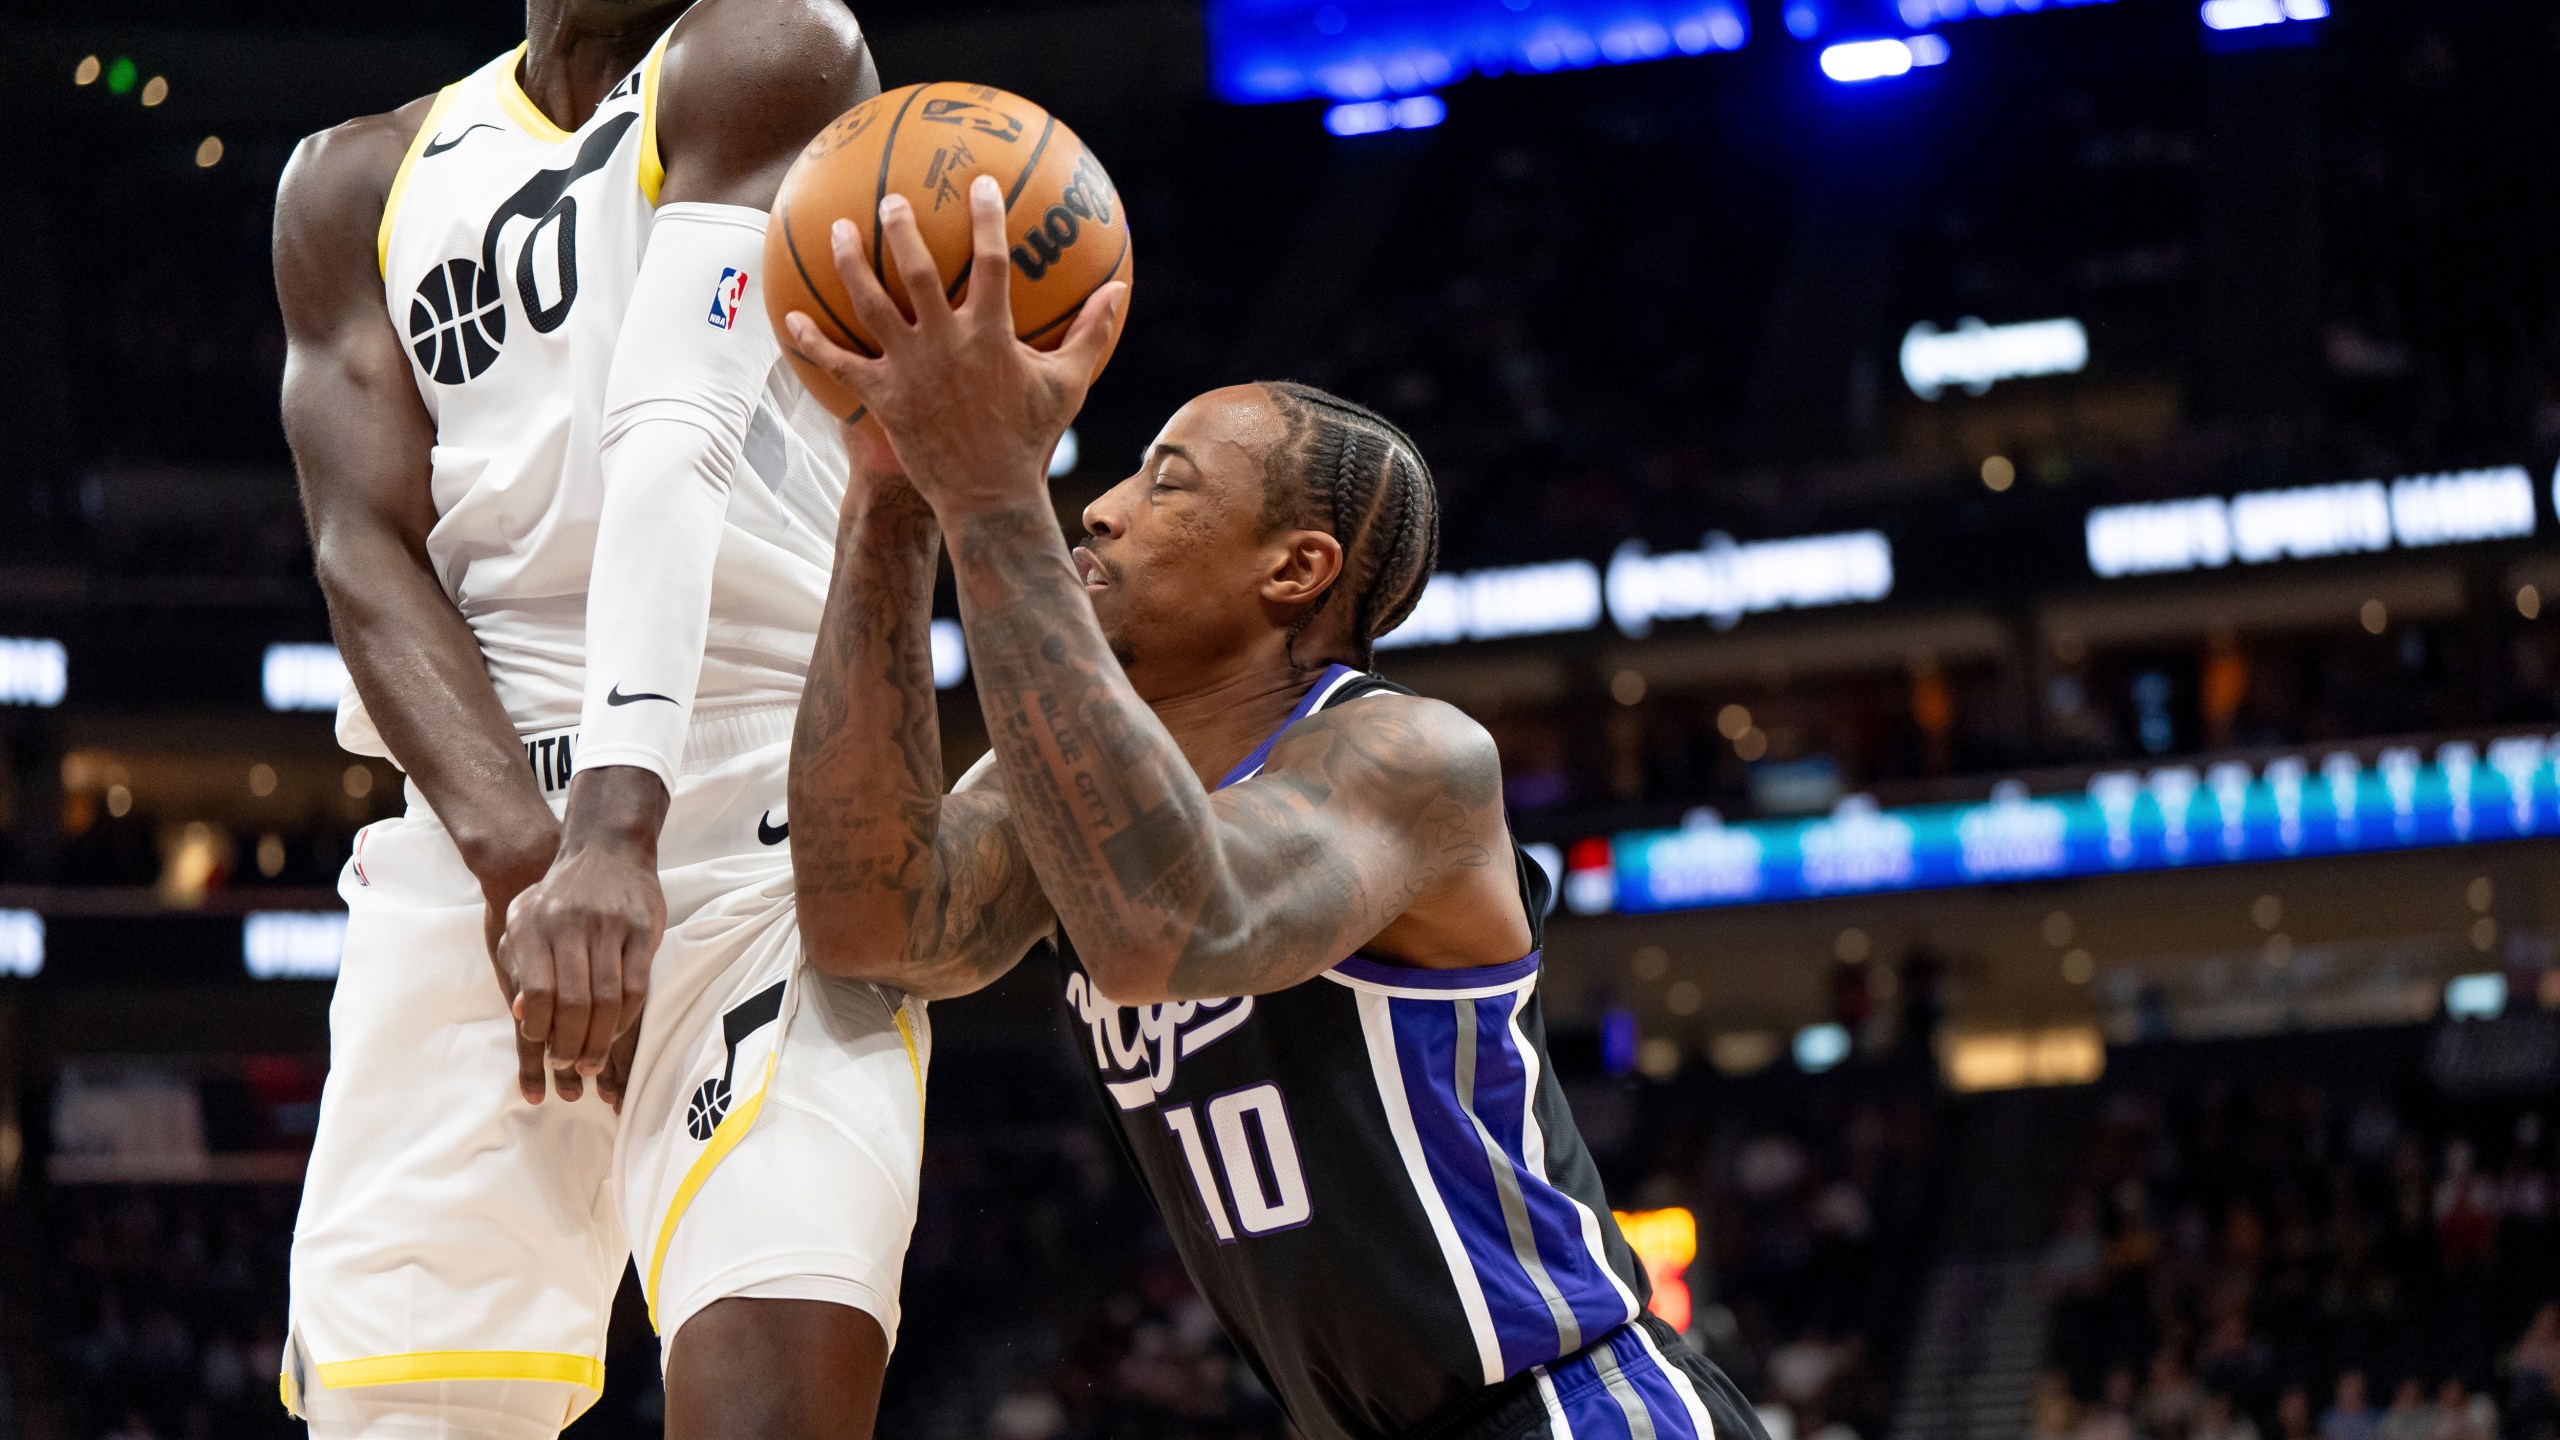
(688, 369)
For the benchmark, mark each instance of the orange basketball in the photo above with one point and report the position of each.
(1063, 219)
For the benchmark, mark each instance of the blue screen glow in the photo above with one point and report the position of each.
(2173, 817)
(1347, 50)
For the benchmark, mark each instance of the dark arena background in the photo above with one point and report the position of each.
(2009, 549)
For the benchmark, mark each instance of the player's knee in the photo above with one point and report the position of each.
(775, 1370)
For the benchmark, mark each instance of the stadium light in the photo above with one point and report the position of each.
(1854, 62)
(1666, 1241)
(2475, 997)
(33, 672)
(292, 944)
(2251, 14)
(21, 943)
(302, 677)
(1820, 1047)
(1975, 356)
(1373, 117)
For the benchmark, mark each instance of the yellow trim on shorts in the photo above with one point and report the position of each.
(400, 177)
(520, 107)
(582, 1370)
(653, 171)
(724, 1138)
(907, 1036)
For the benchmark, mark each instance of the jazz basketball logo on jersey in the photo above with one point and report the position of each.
(1146, 1052)
(727, 296)
(712, 1099)
(458, 318)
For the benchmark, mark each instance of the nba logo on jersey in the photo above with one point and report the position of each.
(726, 296)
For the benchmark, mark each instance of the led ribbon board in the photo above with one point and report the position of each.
(2311, 522)
(1720, 581)
(1262, 51)
(2125, 821)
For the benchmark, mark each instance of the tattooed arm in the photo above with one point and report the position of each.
(896, 881)
(1359, 814)
(1168, 891)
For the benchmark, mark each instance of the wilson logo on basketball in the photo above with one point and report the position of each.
(1086, 198)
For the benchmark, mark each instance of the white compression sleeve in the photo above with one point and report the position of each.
(688, 368)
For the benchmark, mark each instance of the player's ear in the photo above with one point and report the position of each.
(1302, 565)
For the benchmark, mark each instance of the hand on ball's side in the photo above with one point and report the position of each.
(971, 411)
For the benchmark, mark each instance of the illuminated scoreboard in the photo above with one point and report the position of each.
(2168, 818)
(1262, 51)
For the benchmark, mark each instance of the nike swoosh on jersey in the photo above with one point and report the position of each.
(770, 833)
(615, 696)
(438, 147)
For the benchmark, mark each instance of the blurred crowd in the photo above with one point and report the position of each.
(1042, 1299)
(2292, 1259)
(1819, 1201)
(2249, 1251)
(158, 1312)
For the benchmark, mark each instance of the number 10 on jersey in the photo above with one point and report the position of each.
(1258, 1154)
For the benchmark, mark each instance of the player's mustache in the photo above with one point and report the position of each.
(1109, 572)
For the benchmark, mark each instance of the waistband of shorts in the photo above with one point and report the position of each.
(714, 737)
(1514, 1406)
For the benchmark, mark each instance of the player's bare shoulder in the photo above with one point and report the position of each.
(329, 202)
(348, 167)
(745, 83)
(1400, 749)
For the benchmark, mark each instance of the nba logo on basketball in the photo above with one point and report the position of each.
(726, 296)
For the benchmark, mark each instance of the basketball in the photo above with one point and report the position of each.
(1063, 221)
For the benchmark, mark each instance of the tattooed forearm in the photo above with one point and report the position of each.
(895, 881)
(1165, 891)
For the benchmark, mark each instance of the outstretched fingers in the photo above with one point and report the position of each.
(990, 301)
(913, 260)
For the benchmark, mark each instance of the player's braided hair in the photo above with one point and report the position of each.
(1347, 470)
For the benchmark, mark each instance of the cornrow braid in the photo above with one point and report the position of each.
(1347, 470)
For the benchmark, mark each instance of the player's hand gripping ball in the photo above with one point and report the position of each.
(1067, 234)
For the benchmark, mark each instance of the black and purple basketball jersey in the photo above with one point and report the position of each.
(1375, 1182)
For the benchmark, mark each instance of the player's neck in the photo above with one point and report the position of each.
(1220, 715)
(575, 52)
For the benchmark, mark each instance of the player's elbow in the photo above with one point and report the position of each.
(1129, 979)
(851, 942)
(355, 563)
(849, 954)
(1204, 966)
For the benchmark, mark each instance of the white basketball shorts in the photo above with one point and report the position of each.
(458, 1250)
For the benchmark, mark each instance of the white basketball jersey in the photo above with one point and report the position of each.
(509, 248)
